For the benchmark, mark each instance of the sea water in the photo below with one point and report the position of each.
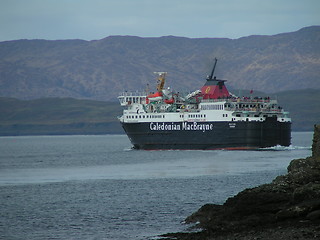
(96, 187)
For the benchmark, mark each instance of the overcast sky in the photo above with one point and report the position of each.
(96, 19)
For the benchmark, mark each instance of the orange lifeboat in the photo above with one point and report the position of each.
(169, 101)
(154, 97)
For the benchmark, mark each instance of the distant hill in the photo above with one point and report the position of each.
(52, 116)
(73, 116)
(304, 107)
(100, 69)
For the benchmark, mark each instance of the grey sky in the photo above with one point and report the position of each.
(96, 19)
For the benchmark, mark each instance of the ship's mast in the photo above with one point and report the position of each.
(212, 72)
(161, 80)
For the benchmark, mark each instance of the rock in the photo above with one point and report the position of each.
(303, 171)
(316, 141)
(292, 212)
(299, 210)
(314, 215)
(306, 192)
(204, 214)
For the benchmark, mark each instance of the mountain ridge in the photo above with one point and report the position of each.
(99, 69)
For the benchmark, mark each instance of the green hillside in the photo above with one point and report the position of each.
(58, 116)
(72, 116)
(304, 107)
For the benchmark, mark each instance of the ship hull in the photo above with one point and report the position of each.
(208, 135)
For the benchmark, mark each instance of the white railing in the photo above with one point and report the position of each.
(132, 94)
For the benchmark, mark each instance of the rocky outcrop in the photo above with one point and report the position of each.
(316, 142)
(290, 203)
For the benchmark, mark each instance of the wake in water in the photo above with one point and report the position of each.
(283, 148)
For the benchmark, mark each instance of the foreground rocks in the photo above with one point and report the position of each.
(287, 208)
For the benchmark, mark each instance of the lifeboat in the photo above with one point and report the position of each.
(169, 101)
(154, 97)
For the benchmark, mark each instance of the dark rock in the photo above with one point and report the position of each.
(306, 192)
(204, 214)
(316, 141)
(314, 215)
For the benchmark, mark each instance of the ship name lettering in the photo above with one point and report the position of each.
(197, 127)
(186, 126)
(164, 126)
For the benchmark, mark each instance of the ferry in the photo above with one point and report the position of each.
(209, 118)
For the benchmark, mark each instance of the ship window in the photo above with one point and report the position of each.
(144, 116)
(140, 116)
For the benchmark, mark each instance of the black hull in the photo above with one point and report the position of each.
(211, 135)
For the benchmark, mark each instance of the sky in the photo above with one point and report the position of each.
(97, 19)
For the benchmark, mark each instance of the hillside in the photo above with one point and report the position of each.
(304, 107)
(58, 116)
(100, 69)
(72, 116)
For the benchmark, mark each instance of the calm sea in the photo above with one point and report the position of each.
(96, 187)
